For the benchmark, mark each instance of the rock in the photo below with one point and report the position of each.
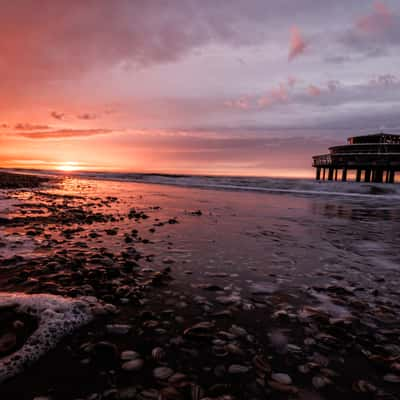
(320, 381)
(133, 365)
(237, 369)
(228, 299)
(391, 378)
(129, 355)
(162, 373)
(202, 329)
(238, 330)
(285, 379)
(118, 329)
(127, 393)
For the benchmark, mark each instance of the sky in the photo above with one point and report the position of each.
(239, 87)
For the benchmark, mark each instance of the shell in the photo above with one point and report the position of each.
(158, 354)
(364, 387)
(261, 364)
(196, 392)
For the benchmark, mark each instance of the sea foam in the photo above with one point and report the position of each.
(57, 317)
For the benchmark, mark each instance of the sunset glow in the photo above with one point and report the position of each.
(68, 167)
(246, 89)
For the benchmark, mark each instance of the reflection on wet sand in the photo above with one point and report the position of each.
(208, 294)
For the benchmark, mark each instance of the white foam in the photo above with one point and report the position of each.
(57, 317)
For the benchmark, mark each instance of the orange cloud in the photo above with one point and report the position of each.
(297, 43)
(314, 90)
(380, 19)
(30, 127)
(63, 133)
(57, 115)
(87, 116)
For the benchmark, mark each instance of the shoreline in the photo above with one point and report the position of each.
(354, 189)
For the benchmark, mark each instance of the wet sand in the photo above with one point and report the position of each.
(209, 294)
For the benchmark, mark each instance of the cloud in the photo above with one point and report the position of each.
(243, 103)
(379, 20)
(57, 115)
(64, 133)
(30, 127)
(276, 95)
(384, 80)
(373, 35)
(297, 44)
(292, 81)
(333, 85)
(86, 116)
(314, 90)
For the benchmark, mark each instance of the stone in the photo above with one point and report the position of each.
(133, 365)
(162, 373)
(237, 369)
(282, 378)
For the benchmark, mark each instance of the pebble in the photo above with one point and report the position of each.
(391, 378)
(127, 393)
(129, 355)
(236, 369)
(320, 381)
(162, 373)
(133, 365)
(282, 378)
(118, 329)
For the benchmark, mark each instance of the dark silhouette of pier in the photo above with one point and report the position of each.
(374, 158)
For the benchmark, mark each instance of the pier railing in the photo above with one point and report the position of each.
(322, 160)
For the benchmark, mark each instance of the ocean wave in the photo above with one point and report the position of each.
(239, 183)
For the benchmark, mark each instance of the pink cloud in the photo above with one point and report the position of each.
(243, 103)
(264, 101)
(314, 90)
(292, 81)
(280, 93)
(297, 43)
(379, 20)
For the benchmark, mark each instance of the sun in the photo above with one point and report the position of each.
(69, 166)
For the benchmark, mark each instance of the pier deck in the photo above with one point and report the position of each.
(373, 158)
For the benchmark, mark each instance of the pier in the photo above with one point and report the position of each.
(373, 158)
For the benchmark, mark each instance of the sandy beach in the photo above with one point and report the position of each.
(121, 290)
